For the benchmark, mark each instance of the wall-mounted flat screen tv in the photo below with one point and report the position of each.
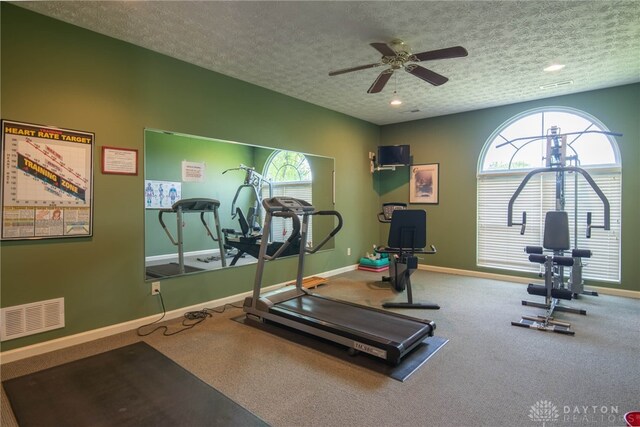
(394, 155)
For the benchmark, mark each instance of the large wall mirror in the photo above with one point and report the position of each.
(214, 188)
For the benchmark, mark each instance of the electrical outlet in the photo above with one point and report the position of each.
(155, 288)
(348, 251)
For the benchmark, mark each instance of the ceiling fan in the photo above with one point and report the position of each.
(396, 54)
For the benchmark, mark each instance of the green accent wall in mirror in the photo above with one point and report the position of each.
(180, 167)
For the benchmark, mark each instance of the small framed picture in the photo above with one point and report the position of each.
(119, 161)
(423, 183)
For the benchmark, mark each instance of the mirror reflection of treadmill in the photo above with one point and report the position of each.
(195, 205)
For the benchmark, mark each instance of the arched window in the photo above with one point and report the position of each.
(290, 175)
(508, 155)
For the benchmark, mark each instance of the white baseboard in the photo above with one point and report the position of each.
(505, 277)
(60, 343)
(166, 257)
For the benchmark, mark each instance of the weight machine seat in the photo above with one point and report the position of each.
(246, 233)
(244, 225)
(556, 231)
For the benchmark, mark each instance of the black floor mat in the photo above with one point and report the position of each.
(135, 385)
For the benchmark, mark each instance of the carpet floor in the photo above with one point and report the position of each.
(489, 374)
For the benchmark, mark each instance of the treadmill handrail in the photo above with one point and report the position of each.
(330, 235)
(294, 234)
(193, 205)
(584, 173)
(164, 227)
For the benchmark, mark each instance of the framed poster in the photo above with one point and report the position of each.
(119, 161)
(47, 182)
(424, 183)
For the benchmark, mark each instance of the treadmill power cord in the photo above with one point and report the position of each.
(196, 317)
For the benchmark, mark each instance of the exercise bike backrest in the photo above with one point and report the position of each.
(408, 229)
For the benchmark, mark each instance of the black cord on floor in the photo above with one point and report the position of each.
(196, 317)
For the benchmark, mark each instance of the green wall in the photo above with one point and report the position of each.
(163, 158)
(455, 142)
(61, 75)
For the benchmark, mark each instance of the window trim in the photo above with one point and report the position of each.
(562, 109)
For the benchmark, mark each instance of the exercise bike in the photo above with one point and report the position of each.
(407, 239)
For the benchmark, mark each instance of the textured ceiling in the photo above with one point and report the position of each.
(290, 46)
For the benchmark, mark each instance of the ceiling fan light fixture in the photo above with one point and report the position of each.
(395, 101)
(554, 67)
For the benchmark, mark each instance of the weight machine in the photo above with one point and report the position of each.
(256, 182)
(556, 234)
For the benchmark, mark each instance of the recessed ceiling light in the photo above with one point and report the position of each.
(554, 67)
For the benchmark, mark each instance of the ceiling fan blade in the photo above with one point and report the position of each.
(348, 70)
(381, 81)
(426, 75)
(449, 52)
(384, 49)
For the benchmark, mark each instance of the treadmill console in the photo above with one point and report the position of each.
(196, 205)
(283, 203)
(387, 211)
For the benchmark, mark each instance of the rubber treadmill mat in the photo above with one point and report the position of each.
(409, 364)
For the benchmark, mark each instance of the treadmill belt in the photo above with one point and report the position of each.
(166, 270)
(357, 318)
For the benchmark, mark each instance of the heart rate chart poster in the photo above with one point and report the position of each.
(46, 182)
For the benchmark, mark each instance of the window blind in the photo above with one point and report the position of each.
(499, 246)
(281, 228)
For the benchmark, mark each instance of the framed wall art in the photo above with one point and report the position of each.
(424, 183)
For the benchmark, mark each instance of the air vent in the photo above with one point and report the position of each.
(28, 319)
(557, 84)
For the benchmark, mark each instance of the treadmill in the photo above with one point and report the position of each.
(383, 334)
(195, 205)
